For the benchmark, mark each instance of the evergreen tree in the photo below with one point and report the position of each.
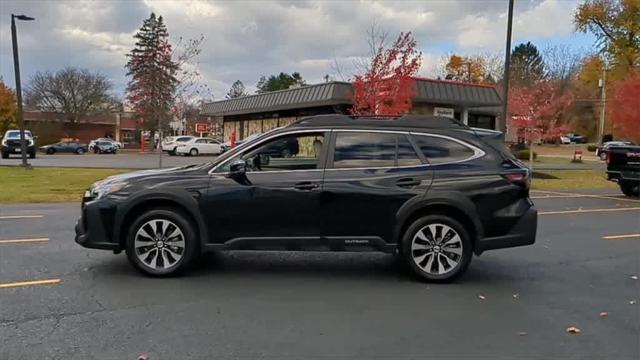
(281, 81)
(527, 65)
(237, 90)
(153, 74)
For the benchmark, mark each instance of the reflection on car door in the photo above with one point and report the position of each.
(369, 176)
(279, 198)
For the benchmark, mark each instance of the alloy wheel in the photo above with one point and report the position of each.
(437, 249)
(159, 244)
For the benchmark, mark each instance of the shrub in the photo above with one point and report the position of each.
(524, 154)
(592, 148)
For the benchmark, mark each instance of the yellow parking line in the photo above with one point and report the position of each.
(14, 217)
(30, 283)
(625, 236)
(20, 241)
(586, 211)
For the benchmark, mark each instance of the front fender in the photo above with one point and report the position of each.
(178, 196)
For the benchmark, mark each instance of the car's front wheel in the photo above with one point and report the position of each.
(161, 242)
(437, 248)
(79, 151)
(193, 152)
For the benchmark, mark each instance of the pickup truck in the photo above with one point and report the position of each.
(623, 167)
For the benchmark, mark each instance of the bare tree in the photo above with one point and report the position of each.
(562, 62)
(71, 92)
(191, 89)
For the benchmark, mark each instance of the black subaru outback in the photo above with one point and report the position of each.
(431, 189)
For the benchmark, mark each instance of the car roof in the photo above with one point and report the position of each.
(377, 122)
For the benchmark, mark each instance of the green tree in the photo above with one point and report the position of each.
(527, 65)
(151, 90)
(616, 25)
(279, 82)
(7, 108)
(237, 90)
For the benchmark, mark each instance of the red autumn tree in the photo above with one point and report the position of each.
(535, 111)
(624, 107)
(386, 86)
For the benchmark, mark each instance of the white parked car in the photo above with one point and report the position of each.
(171, 143)
(200, 146)
(565, 140)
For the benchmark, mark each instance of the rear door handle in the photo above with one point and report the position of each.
(306, 186)
(408, 182)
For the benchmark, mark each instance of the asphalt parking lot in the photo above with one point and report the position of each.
(61, 301)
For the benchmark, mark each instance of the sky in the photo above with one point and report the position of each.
(246, 39)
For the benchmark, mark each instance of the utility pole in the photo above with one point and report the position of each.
(603, 99)
(159, 134)
(507, 64)
(16, 67)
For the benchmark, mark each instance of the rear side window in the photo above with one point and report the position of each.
(370, 149)
(439, 150)
(183, 139)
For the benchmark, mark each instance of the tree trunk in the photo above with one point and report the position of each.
(531, 156)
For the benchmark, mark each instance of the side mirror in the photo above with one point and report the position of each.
(237, 167)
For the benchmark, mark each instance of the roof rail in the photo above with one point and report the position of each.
(411, 120)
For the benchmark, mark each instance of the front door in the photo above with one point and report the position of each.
(369, 177)
(277, 198)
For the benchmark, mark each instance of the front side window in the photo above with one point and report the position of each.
(371, 149)
(201, 141)
(285, 153)
(440, 150)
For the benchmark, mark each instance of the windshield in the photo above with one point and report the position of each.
(15, 134)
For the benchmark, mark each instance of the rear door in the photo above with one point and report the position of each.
(370, 175)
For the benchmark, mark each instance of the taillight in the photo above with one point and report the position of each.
(521, 178)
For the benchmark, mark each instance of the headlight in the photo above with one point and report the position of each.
(4, 142)
(102, 188)
(31, 143)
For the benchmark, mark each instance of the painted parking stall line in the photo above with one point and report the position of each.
(554, 194)
(569, 212)
(19, 217)
(30, 283)
(622, 236)
(24, 241)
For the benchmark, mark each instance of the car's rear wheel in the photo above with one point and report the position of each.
(172, 152)
(193, 152)
(161, 242)
(79, 151)
(630, 188)
(51, 151)
(437, 248)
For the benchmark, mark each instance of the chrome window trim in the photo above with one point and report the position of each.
(477, 152)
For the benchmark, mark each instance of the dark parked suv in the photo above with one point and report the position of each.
(429, 188)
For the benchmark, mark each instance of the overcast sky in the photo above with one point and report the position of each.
(245, 39)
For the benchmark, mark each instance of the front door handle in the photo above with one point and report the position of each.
(408, 182)
(306, 186)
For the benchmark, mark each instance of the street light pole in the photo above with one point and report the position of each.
(16, 66)
(507, 65)
(603, 99)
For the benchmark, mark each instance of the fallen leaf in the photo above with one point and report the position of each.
(604, 314)
(634, 277)
(516, 296)
(573, 330)
(481, 297)
(522, 333)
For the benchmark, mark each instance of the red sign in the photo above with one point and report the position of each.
(202, 127)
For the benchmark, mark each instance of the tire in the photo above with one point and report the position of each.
(5, 154)
(32, 155)
(96, 150)
(51, 151)
(79, 151)
(630, 188)
(193, 152)
(432, 263)
(178, 258)
(172, 152)
(602, 156)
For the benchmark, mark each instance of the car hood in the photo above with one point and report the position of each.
(165, 174)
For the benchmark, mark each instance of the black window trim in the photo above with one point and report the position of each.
(477, 152)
